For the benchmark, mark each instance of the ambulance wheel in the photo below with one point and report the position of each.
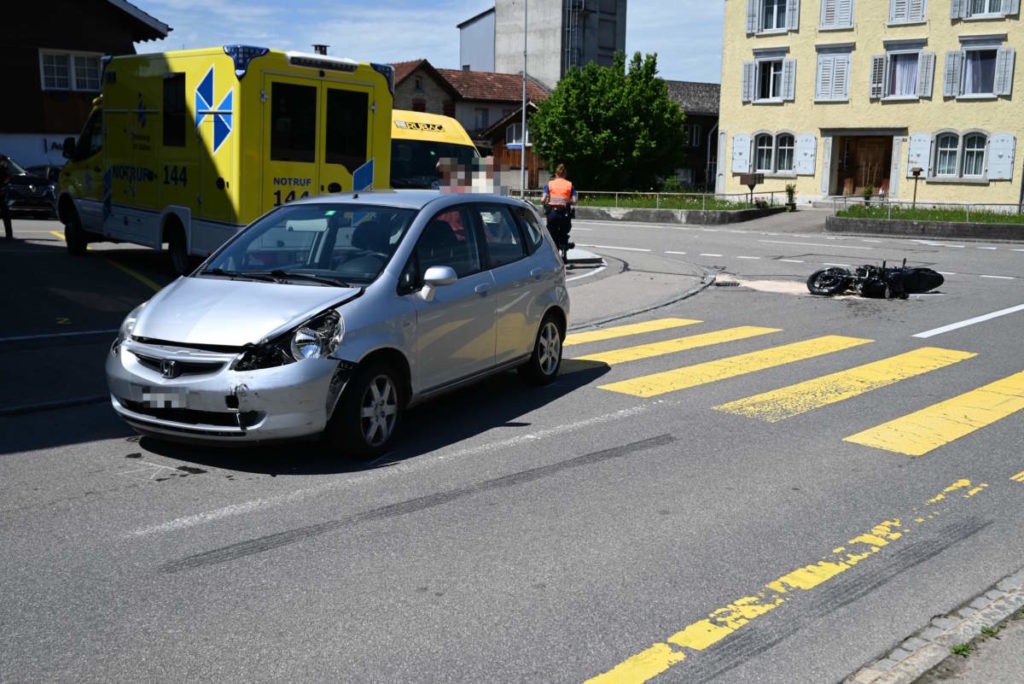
(74, 235)
(177, 250)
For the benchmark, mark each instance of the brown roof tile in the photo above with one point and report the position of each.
(484, 85)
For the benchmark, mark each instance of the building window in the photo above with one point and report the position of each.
(979, 72)
(514, 134)
(974, 155)
(907, 11)
(902, 80)
(905, 74)
(694, 134)
(983, 7)
(833, 79)
(70, 71)
(763, 149)
(981, 68)
(774, 15)
(419, 105)
(449, 108)
(785, 146)
(947, 148)
(481, 117)
(769, 80)
(837, 14)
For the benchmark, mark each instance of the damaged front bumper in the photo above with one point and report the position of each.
(195, 395)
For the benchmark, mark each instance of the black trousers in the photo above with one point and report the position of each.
(559, 225)
(5, 214)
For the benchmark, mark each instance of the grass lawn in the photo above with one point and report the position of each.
(953, 215)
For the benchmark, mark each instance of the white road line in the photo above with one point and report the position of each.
(993, 277)
(679, 253)
(933, 243)
(793, 261)
(585, 275)
(711, 255)
(945, 273)
(970, 321)
(1018, 250)
(869, 240)
(828, 263)
(22, 338)
(626, 249)
(751, 258)
(813, 244)
(988, 248)
(396, 468)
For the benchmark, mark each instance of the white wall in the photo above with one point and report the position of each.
(30, 149)
(476, 44)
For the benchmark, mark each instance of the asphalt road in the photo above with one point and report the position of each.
(709, 495)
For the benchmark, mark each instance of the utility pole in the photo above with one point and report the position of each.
(522, 148)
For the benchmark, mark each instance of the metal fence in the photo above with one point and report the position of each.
(893, 208)
(703, 201)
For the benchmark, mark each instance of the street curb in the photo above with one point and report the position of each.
(1010, 232)
(707, 280)
(931, 645)
(696, 217)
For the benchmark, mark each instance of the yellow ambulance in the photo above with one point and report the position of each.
(419, 140)
(184, 148)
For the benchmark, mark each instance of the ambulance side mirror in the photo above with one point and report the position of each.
(69, 148)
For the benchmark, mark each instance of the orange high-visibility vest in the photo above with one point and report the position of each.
(560, 191)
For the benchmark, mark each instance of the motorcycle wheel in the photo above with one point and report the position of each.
(829, 282)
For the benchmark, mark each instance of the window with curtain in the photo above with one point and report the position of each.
(979, 72)
(974, 155)
(946, 146)
(985, 7)
(763, 149)
(903, 75)
(774, 15)
(785, 146)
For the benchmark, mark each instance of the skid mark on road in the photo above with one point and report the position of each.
(273, 541)
(724, 622)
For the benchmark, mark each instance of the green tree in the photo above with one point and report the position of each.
(614, 129)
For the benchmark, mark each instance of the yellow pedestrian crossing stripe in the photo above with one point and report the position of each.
(920, 432)
(1019, 477)
(646, 351)
(721, 369)
(625, 330)
(829, 389)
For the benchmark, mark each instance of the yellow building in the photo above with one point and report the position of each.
(837, 95)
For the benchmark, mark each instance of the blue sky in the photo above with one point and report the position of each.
(688, 43)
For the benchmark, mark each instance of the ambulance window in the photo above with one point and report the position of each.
(293, 122)
(91, 140)
(347, 120)
(174, 110)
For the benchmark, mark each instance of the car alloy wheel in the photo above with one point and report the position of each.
(378, 411)
(549, 348)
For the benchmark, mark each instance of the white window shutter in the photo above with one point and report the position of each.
(789, 79)
(749, 81)
(1004, 70)
(958, 9)
(793, 15)
(741, 153)
(953, 77)
(823, 83)
(1001, 150)
(1012, 7)
(898, 10)
(915, 10)
(845, 15)
(841, 78)
(806, 154)
(829, 13)
(753, 16)
(877, 76)
(925, 73)
(918, 153)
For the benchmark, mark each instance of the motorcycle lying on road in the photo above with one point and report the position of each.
(889, 282)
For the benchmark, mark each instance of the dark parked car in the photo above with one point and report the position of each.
(50, 172)
(28, 193)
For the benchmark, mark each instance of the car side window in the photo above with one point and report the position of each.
(502, 238)
(91, 140)
(449, 240)
(531, 228)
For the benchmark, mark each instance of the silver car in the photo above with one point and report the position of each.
(335, 314)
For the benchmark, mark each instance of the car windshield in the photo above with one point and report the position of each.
(326, 244)
(414, 162)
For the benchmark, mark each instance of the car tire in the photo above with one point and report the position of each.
(369, 413)
(75, 236)
(546, 359)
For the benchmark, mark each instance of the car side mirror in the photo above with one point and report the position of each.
(435, 277)
(69, 148)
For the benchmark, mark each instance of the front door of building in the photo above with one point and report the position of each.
(863, 161)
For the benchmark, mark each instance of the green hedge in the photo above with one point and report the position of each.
(948, 215)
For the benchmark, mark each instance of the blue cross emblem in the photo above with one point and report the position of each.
(222, 115)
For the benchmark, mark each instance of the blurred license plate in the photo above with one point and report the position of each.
(162, 397)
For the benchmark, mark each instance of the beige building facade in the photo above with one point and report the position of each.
(836, 96)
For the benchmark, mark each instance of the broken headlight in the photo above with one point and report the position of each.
(317, 338)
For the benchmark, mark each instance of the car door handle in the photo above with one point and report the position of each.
(482, 288)
(537, 273)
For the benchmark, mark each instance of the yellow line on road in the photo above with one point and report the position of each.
(917, 433)
(156, 287)
(720, 623)
(830, 389)
(646, 351)
(721, 369)
(1019, 477)
(624, 330)
(57, 233)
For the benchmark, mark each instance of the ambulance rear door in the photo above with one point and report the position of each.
(346, 125)
(290, 140)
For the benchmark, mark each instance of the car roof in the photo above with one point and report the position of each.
(403, 199)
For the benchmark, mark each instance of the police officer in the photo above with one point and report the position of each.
(559, 199)
(5, 213)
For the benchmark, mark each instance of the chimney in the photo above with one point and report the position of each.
(320, 48)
